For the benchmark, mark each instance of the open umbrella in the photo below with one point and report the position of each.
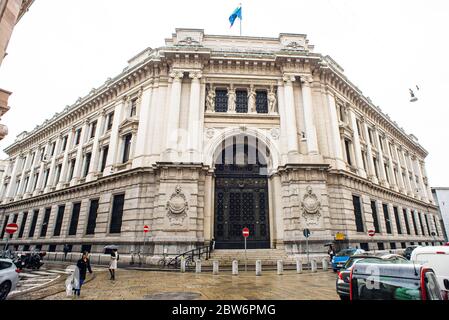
(111, 247)
(329, 244)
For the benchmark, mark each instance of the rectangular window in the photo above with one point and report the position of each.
(421, 223)
(33, 224)
(45, 223)
(25, 187)
(58, 173)
(398, 220)
(407, 225)
(381, 246)
(104, 158)
(375, 217)
(53, 148)
(15, 217)
(117, 214)
(387, 218)
(415, 224)
(36, 179)
(436, 226)
(59, 220)
(5, 223)
(87, 160)
(348, 152)
(241, 101)
(364, 160)
(110, 121)
(72, 168)
(358, 129)
(92, 219)
(393, 245)
(370, 134)
(47, 174)
(32, 159)
(126, 147)
(261, 102)
(64, 143)
(358, 214)
(376, 167)
(75, 217)
(427, 224)
(22, 225)
(387, 173)
(133, 109)
(93, 129)
(221, 100)
(77, 137)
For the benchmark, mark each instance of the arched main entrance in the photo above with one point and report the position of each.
(241, 194)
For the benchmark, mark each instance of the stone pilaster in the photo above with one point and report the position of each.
(357, 146)
(114, 138)
(309, 119)
(335, 132)
(290, 115)
(65, 162)
(93, 169)
(369, 150)
(51, 178)
(383, 174)
(79, 154)
(193, 151)
(171, 150)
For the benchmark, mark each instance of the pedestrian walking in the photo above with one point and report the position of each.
(113, 264)
(82, 266)
(331, 252)
(66, 251)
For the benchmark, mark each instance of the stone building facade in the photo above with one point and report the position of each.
(210, 134)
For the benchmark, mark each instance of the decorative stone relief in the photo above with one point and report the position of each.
(272, 101)
(232, 98)
(177, 207)
(210, 133)
(210, 99)
(252, 100)
(275, 133)
(311, 207)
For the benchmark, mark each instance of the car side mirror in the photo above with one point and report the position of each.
(446, 284)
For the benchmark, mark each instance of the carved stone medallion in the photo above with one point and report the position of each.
(177, 207)
(311, 207)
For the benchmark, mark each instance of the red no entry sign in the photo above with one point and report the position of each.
(11, 228)
(371, 233)
(245, 232)
(146, 229)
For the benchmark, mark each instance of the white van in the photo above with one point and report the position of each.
(436, 258)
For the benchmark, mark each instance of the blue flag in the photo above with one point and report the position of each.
(236, 14)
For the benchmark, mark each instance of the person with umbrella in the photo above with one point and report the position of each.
(114, 259)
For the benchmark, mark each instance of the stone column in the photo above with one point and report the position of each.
(309, 119)
(171, 150)
(193, 151)
(283, 118)
(33, 165)
(40, 181)
(141, 139)
(11, 185)
(114, 138)
(335, 131)
(393, 182)
(22, 176)
(93, 169)
(371, 171)
(415, 187)
(424, 196)
(402, 183)
(79, 154)
(383, 174)
(357, 147)
(51, 182)
(290, 115)
(65, 161)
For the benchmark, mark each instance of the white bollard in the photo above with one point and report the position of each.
(235, 268)
(298, 266)
(325, 265)
(198, 266)
(183, 265)
(258, 268)
(215, 267)
(280, 267)
(313, 266)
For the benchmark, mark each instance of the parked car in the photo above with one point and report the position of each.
(436, 258)
(343, 256)
(408, 251)
(9, 277)
(342, 283)
(391, 281)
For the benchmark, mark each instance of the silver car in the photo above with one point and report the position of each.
(9, 277)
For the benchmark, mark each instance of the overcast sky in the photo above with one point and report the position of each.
(61, 49)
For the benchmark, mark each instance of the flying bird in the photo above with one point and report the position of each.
(413, 97)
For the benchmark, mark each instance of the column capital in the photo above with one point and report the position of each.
(306, 80)
(195, 75)
(176, 75)
(288, 79)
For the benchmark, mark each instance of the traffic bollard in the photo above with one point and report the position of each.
(314, 266)
(280, 267)
(258, 268)
(235, 268)
(183, 265)
(298, 266)
(198, 266)
(325, 265)
(215, 267)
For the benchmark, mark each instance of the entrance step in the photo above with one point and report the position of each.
(267, 256)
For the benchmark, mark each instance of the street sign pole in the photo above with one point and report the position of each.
(246, 258)
(307, 248)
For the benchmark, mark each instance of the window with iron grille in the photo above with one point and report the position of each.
(387, 218)
(92, 219)
(59, 219)
(261, 102)
(375, 218)
(33, 224)
(241, 101)
(398, 221)
(221, 100)
(22, 225)
(45, 222)
(75, 217)
(117, 214)
(407, 225)
(358, 213)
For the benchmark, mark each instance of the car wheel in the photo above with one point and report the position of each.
(5, 287)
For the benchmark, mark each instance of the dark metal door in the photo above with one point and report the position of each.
(241, 202)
